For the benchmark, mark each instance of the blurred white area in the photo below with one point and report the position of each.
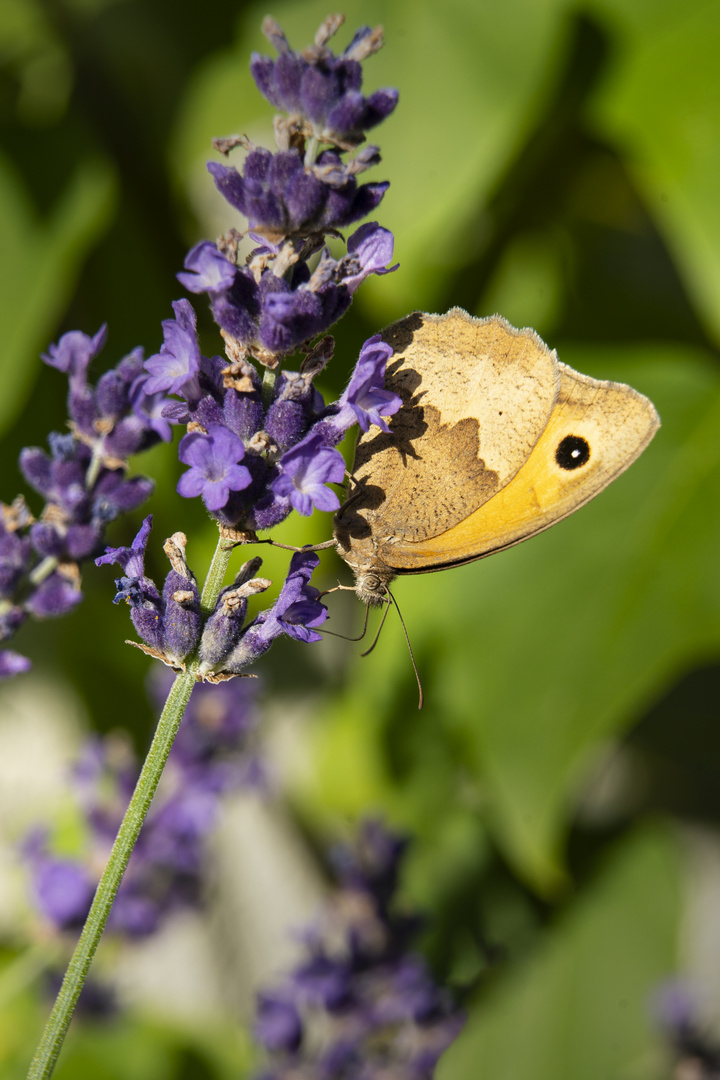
(41, 725)
(263, 882)
(263, 886)
(700, 930)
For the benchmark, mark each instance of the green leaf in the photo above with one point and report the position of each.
(581, 1007)
(661, 108)
(40, 264)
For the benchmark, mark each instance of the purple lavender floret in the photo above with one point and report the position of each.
(72, 355)
(365, 401)
(305, 471)
(281, 197)
(277, 1023)
(53, 597)
(208, 270)
(12, 663)
(214, 466)
(321, 89)
(361, 1004)
(370, 249)
(131, 559)
(176, 367)
(297, 612)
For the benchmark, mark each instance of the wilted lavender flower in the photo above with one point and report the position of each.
(213, 754)
(84, 484)
(361, 1005)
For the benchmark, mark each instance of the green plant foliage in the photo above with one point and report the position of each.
(581, 1006)
(40, 264)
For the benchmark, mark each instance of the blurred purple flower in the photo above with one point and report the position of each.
(361, 1004)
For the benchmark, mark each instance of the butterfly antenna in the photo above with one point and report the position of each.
(407, 641)
(334, 633)
(382, 623)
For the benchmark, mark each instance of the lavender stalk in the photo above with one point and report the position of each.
(257, 447)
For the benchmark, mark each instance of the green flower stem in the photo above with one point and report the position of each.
(56, 1028)
(268, 386)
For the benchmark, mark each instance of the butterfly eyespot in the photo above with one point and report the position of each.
(572, 452)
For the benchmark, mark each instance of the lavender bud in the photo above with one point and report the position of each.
(181, 622)
(222, 630)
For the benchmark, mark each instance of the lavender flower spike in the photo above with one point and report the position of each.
(361, 1004)
(306, 469)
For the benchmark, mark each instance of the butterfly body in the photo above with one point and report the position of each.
(495, 441)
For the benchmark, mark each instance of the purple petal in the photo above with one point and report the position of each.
(55, 596)
(209, 270)
(12, 663)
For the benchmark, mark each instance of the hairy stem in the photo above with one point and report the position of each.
(56, 1028)
(268, 386)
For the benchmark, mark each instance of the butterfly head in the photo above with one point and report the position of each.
(371, 585)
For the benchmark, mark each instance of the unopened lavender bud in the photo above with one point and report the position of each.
(112, 394)
(223, 629)
(252, 645)
(146, 616)
(290, 414)
(242, 408)
(181, 621)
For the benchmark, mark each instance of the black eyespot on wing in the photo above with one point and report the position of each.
(572, 452)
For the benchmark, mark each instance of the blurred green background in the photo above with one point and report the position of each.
(559, 163)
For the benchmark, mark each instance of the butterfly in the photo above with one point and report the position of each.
(495, 441)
